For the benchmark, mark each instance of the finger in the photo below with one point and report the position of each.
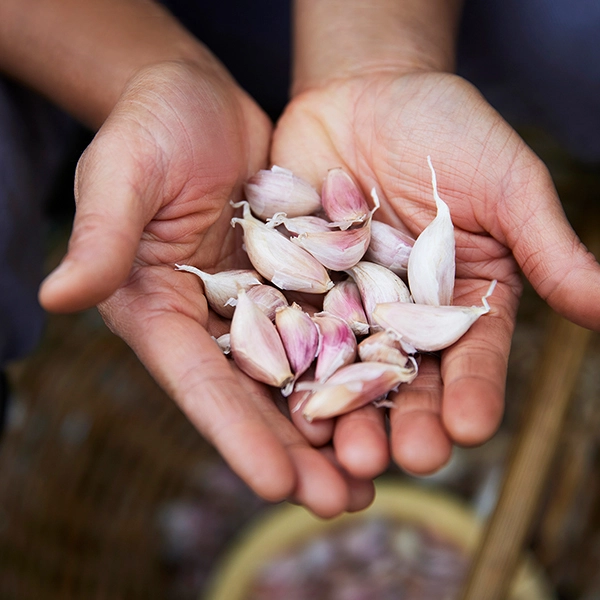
(474, 372)
(554, 260)
(319, 432)
(361, 443)
(114, 194)
(419, 442)
(338, 491)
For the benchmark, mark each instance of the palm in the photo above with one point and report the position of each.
(381, 129)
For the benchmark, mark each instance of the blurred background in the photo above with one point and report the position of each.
(106, 491)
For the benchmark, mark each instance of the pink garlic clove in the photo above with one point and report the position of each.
(352, 387)
(342, 199)
(343, 300)
(256, 346)
(337, 345)
(299, 335)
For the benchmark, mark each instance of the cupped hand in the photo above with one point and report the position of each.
(506, 214)
(153, 190)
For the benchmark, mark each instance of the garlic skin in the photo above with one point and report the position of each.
(301, 224)
(377, 284)
(220, 288)
(389, 247)
(277, 259)
(256, 346)
(279, 190)
(224, 343)
(337, 345)
(299, 335)
(352, 387)
(431, 265)
(343, 300)
(383, 346)
(342, 199)
(427, 328)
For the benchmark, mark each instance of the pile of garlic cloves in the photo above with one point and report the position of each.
(385, 296)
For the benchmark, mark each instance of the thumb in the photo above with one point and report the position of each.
(553, 258)
(109, 220)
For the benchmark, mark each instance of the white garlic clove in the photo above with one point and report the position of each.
(389, 247)
(279, 190)
(337, 345)
(431, 265)
(256, 346)
(383, 346)
(352, 387)
(342, 199)
(377, 284)
(276, 258)
(427, 328)
(299, 335)
(220, 288)
(343, 300)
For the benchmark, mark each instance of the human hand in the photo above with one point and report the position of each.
(381, 127)
(152, 190)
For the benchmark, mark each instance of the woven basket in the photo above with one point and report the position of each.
(94, 455)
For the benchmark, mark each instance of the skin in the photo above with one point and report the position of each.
(176, 139)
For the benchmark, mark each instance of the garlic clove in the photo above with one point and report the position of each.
(429, 328)
(337, 345)
(352, 387)
(342, 199)
(220, 288)
(389, 247)
(383, 346)
(267, 298)
(277, 259)
(431, 265)
(256, 346)
(377, 284)
(299, 335)
(336, 250)
(279, 190)
(343, 300)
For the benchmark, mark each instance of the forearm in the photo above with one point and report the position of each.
(339, 38)
(81, 53)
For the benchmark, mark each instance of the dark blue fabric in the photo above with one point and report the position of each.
(252, 39)
(538, 62)
(33, 141)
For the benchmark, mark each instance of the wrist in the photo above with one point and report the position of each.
(340, 39)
